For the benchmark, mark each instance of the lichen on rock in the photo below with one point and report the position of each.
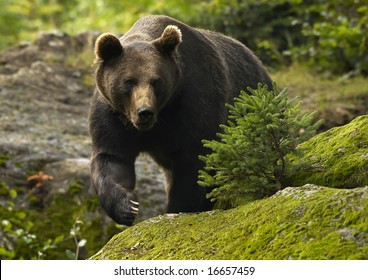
(309, 222)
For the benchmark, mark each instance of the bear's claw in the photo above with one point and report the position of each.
(134, 202)
(134, 209)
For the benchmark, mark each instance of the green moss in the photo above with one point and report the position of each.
(297, 223)
(3, 160)
(336, 158)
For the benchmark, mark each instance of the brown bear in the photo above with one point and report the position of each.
(160, 89)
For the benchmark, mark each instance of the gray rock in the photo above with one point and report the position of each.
(45, 89)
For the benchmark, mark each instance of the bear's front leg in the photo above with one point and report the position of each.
(113, 180)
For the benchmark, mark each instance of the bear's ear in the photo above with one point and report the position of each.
(169, 40)
(107, 47)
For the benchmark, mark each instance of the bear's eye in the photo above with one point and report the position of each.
(156, 83)
(130, 83)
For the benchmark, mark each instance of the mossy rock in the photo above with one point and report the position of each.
(308, 222)
(336, 158)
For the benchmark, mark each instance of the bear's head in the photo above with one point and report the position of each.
(138, 78)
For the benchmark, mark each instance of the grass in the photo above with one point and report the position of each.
(338, 100)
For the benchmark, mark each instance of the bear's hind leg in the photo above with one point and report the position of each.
(184, 194)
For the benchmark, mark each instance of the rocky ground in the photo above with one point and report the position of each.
(45, 89)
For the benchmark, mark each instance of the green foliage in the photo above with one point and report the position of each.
(23, 19)
(53, 232)
(248, 161)
(327, 35)
(336, 36)
(79, 243)
(19, 20)
(268, 27)
(18, 238)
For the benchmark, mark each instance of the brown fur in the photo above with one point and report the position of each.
(161, 90)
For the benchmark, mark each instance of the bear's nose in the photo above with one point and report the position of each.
(145, 114)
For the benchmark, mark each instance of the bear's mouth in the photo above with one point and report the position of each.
(144, 126)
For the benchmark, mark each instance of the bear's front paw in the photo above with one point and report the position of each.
(120, 205)
(127, 210)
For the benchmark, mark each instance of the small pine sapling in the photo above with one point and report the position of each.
(248, 161)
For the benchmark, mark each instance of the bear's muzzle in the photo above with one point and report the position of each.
(146, 118)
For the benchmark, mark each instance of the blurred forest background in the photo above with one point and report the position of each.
(318, 49)
(328, 35)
